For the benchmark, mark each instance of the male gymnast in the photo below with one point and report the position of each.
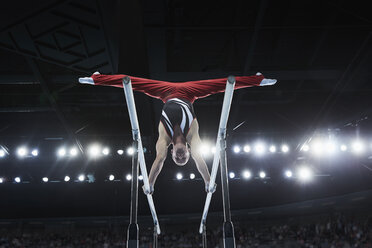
(178, 124)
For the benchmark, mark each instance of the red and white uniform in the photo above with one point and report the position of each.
(190, 90)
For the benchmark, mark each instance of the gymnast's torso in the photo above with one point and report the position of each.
(177, 111)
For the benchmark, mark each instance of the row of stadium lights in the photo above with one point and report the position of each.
(317, 147)
(303, 174)
(79, 178)
(94, 151)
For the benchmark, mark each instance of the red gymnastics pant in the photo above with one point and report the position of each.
(164, 91)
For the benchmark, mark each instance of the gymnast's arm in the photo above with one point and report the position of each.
(195, 143)
(161, 154)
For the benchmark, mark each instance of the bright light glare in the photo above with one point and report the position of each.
(288, 173)
(140, 177)
(17, 179)
(343, 148)
(67, 178)
(128, 177)
(205, 149)
(94, 151)
(179, 176)
(231, 174)
(61, 152)
(105, 151)
(192, 176)
(45, 179)
(1, 180)
(305, 148)
(35, 152)
(317, 147)
(73, 151)
(81, 178)
(111, 177)
(22, 151)
(262, 174)
(272, 149)
(120, 152)
(331, 147)
(358, 146)
(285, 148)
(247, 174)
(130, 151)
(2, 153)
(246, 148)
(259, 148)
(305, 174)
(213, 150)
(236, 149)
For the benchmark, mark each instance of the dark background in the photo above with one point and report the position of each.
(320, 52)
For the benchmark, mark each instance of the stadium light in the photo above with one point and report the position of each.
(262, 174)
(358, 147)
(81, 177)
(246, 148)
(259, 148)
(272, 149)
(73, 151)
(94, 150)
(331, 147)
(288, 173)
(205, 149)
(120, 152)
(1, 180)
(61, 152)
(17, 179)
(106, 151)
(305, 174)
(35, 152)
(192, 176)
(22, 151)
(130, 151)
(179, 176)
(45, 179)
(232, 175)
(128, 177)
(343, 148)
(67, 178)
(247, 174)
(111, 177)
(305, 148)
(2, 153)
(317, 147)
(285, 148)
(236, 149)
(140, 177)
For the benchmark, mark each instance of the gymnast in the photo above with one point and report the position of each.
(178, 124)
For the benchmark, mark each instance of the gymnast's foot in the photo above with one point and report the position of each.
(88, 80)
(266, 81)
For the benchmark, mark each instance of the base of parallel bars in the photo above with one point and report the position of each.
(155, 238)
(204, 236)
(228, 235)
(133, 236)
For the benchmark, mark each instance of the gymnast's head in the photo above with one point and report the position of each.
(180, 153)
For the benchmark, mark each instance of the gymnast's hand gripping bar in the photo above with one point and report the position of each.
(127, 85)
(221, 135)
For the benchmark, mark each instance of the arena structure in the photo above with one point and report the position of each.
(296, 151)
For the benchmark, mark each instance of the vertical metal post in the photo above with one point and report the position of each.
(204, 237)
(133, 230)
(155, 238)
(228, 228)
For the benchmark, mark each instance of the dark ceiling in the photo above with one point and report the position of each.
(320, 52)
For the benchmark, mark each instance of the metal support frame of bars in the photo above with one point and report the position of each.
(220, 156)
(138, 159)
